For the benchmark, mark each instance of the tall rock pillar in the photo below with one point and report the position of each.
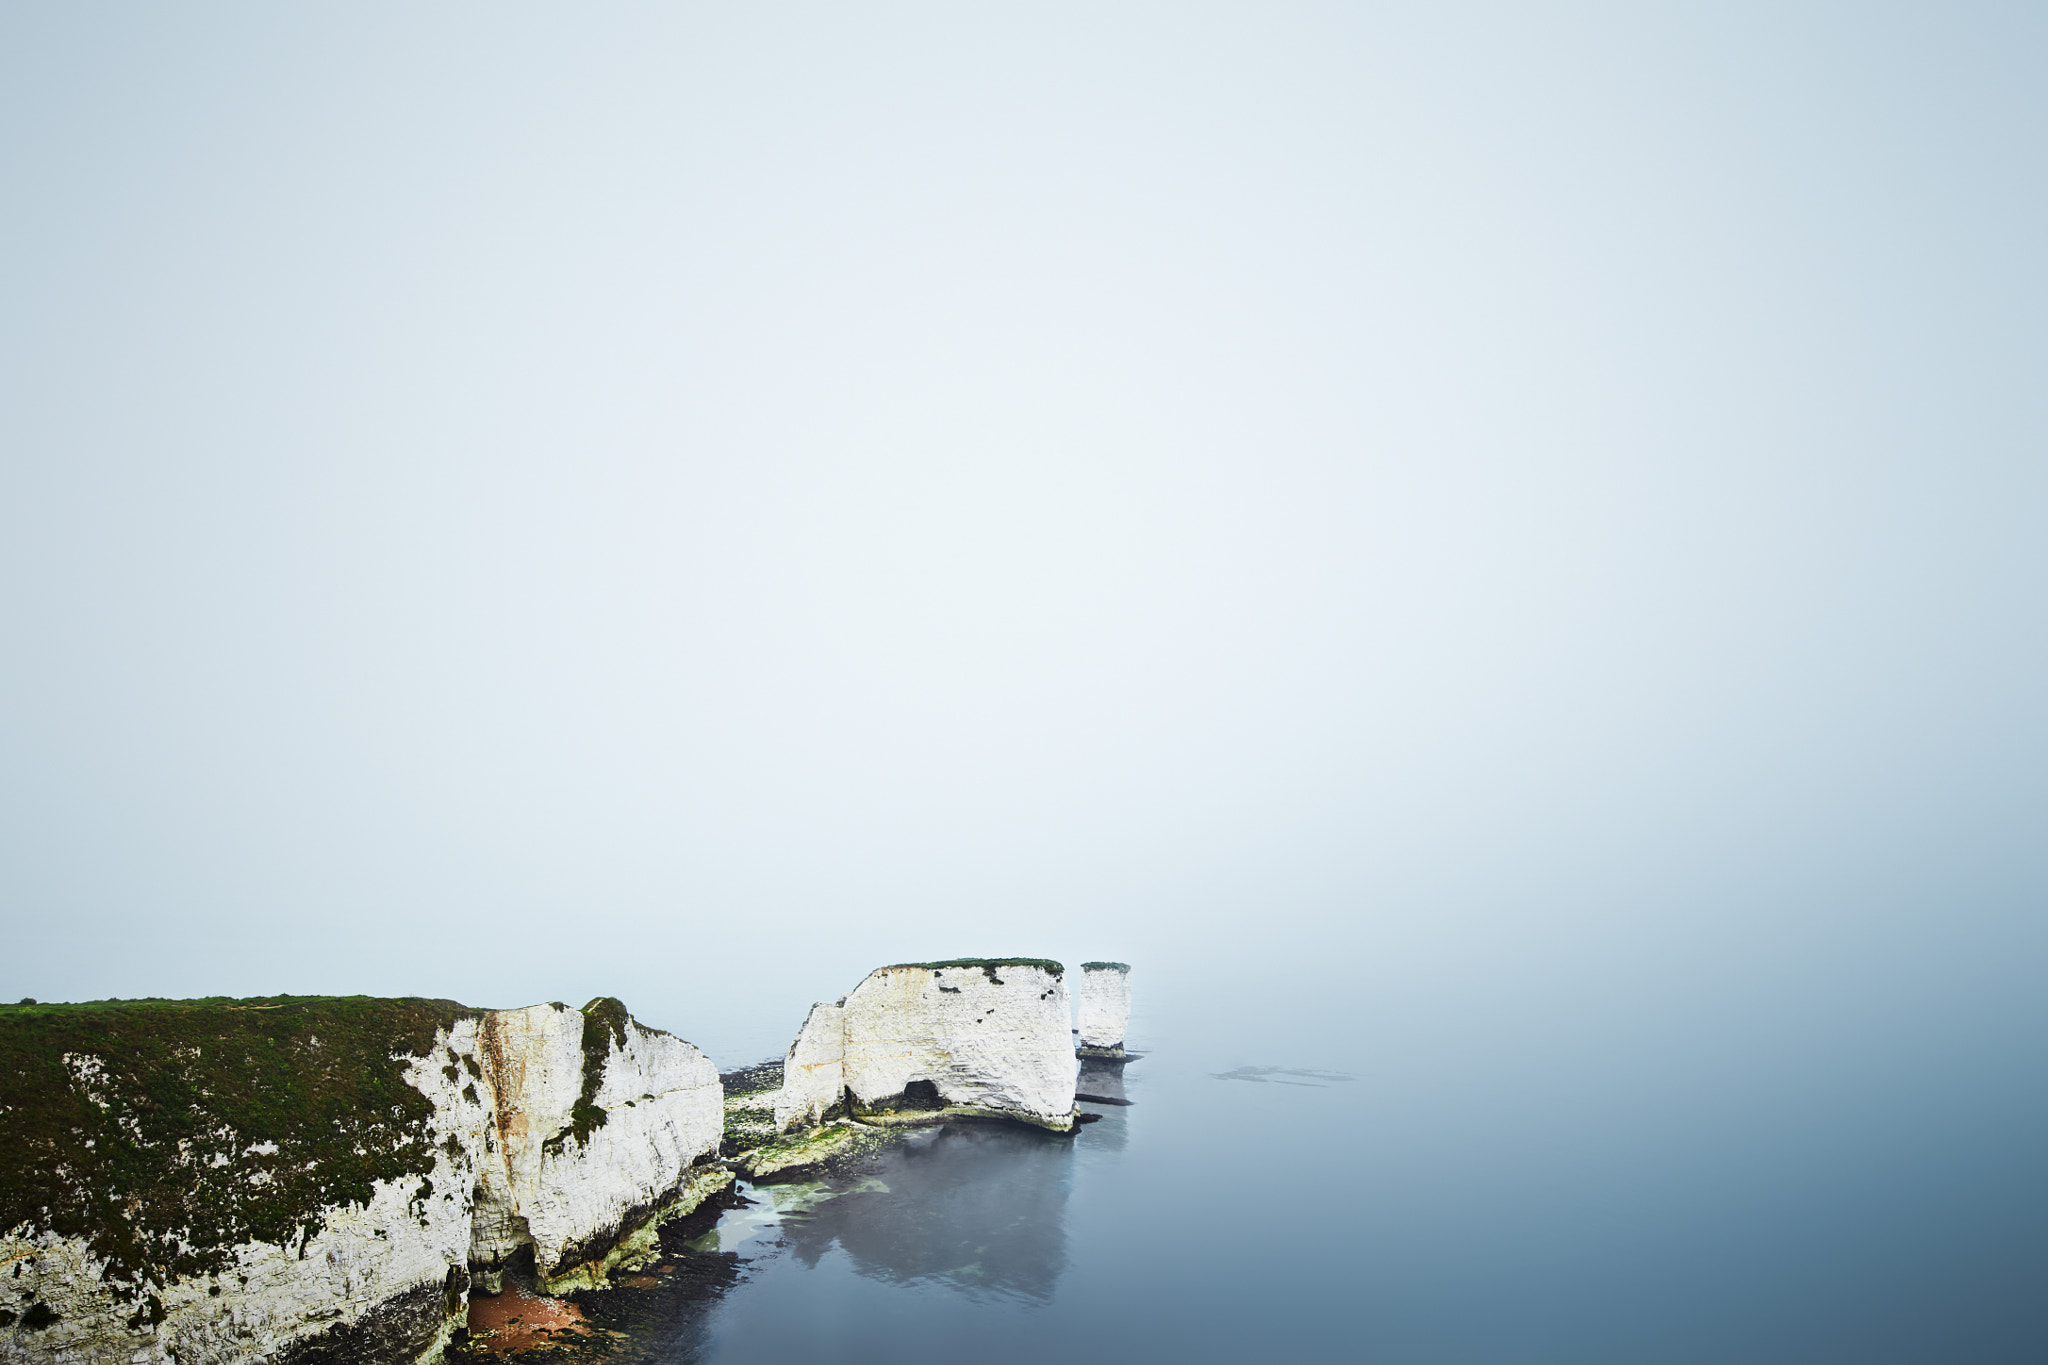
(1105, 1008)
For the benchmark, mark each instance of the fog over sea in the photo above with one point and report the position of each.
(1494, 552)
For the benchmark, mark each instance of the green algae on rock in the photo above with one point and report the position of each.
(749, 1107)
(802, 1153)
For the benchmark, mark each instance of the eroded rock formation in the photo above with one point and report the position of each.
(814, 1072)
(970, 1036)
(1105, 1008)
(594, 1122)
(306, 1182)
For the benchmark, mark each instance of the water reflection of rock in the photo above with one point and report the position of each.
(977, 1206)
(1100, 1090)
(1110, 1132)
(1102, 1081)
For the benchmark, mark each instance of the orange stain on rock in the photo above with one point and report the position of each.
(518, 1321)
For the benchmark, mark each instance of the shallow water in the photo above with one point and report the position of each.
(1279, 1209)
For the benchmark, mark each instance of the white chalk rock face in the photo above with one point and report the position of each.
(813, 1074)
(988, 1036)
(1105, 1007)
(534, 1137)
(595, 1123)
(382, 1281)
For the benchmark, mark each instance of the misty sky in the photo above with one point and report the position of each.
(1452, 507)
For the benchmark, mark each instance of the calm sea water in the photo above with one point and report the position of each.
(1242, 1210)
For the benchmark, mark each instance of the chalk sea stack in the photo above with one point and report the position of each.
(1105, 1009)
(922, 1041)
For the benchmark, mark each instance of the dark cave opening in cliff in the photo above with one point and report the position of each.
(520, 1271)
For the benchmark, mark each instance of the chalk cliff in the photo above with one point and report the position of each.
(310, 1181)
(970, 1036)
(594, 1122)
(1105, 1008)
(814, 1072)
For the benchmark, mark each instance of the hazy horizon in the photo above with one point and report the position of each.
(1444, 527)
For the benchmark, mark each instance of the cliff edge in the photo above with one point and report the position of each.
(313, 1180)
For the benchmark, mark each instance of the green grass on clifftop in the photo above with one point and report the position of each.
(1056, 968)
(129, 1122)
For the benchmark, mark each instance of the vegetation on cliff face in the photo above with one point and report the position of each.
(604, 1023)
(167, 1132)
(1105, 966)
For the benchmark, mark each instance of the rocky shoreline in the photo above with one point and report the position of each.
(350, 1181)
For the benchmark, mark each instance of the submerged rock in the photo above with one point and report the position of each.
(1105, 1008)
(800, 1153)
(315, 1180)
(923, 1041)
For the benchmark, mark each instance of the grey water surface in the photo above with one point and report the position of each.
(1259, 1211)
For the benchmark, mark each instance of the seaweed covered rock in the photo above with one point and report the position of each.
(300, 1179)
(751, 1094)
(921, 1041)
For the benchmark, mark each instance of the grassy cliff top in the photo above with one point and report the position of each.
(166, 1132)
(1046, 963)
(1105, 966)
(34, 1009)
